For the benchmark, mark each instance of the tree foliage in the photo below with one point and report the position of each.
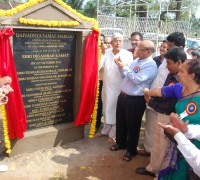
(175, 9)
(105, 7)
(90, 9)
(195, 24)
(76, 4)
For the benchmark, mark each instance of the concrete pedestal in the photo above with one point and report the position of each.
(47, 137)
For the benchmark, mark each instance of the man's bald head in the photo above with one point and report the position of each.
(145, 49)
(149, 45)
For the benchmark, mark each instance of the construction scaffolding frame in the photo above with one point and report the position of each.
(151, 25)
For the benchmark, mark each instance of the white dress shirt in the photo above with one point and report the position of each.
(189, 150)
(112, 81)
(161, 76)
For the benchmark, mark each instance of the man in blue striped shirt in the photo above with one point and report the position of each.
(131, 103)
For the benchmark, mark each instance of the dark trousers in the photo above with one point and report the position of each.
(130, 110)
(99, 109)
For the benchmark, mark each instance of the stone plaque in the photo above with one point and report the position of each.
(45, 62)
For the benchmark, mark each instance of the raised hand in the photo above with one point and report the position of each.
(119, 62)
(169, 128)
(178, 123)
(5, 80)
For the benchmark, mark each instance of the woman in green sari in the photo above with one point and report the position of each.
(174, 166)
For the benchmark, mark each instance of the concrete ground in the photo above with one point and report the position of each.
(81, 160)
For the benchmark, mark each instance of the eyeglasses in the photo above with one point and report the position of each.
(142, 49)
(107, 42)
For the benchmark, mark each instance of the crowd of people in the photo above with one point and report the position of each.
(167, 89)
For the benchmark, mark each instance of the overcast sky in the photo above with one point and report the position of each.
(198, 13)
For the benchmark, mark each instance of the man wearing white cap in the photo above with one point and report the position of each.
(111, 84)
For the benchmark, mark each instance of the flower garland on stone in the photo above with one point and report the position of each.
(30, 3)
(5, 129)
(48, 23)
(73, 11)
(94, 114)
(20, 8)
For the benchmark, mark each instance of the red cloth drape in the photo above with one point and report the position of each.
(89, 79)
(15, 108)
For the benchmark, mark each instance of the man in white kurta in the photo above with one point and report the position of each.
(111, 84)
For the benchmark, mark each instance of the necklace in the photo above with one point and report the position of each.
(184, 91)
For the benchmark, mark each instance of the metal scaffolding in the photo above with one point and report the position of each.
(151, 24)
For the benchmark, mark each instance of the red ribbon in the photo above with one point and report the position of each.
(89, 79)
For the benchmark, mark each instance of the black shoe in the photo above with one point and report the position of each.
(143, 171)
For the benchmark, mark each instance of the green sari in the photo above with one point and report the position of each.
(191, 106)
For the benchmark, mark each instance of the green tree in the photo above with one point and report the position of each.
(105, 7)
(195, 25)
(179, 10)
(75, 4)
(90, 9)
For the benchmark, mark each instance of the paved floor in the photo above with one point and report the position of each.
(81, 160)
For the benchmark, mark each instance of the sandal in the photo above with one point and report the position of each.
(128, 156)
(116, 147)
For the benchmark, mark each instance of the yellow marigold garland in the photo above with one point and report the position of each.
(94, 114)
(69, 8)
(30, 3)
(5, 129)
(48, 23)
(20, 7)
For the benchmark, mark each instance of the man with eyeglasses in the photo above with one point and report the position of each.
(136, 37)
(131, 103)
